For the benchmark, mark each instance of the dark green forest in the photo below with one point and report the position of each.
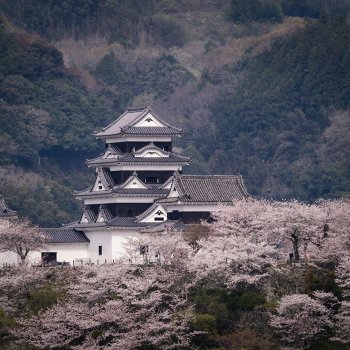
(276, 120)
(261, 88)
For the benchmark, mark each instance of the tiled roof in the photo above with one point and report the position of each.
(90, 215)
(142, 192)
(105, 212)
(105, 177)
(152, 131)
(210, 188)
(119, 221)
(64, 235)
(126, 222)
(173, 157)
(130, 158)
(125, 119)
(88, 192)
(125, 125)
(5, 211)
(151, 192)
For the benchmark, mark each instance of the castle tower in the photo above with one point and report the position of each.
(135, 169)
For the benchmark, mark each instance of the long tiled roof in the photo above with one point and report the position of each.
(119, 221)
(128, 158)
(5, 211)
(125, 124)
(210, 188)
(126, 222)
(152, 191)
(64, 235)
(150, 131)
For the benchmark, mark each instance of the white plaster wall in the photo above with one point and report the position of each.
(112, 242)
(65, 252)
(8, 258)
(119, 242)
(100, 238)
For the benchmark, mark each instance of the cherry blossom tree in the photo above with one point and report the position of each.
(342, 320)
(342, 323)
(21, 237)
(318, 230)
(235, 250)
(166, 248)
(343, 275)
(300, 319)
(118, 306)
(336, 242)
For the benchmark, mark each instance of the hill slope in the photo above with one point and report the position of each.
(258, 93)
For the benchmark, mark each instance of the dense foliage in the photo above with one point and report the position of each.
(46, 123)
(276, 125)
(263, 10)
(159, 77)
(123, 20)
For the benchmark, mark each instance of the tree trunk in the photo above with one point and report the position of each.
(295, 242)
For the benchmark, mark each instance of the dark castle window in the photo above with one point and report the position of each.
(152, 179)
(100, 250)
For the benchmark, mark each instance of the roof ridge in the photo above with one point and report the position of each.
(195, 175)
(136, 109)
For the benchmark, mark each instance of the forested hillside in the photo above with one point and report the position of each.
(261, 88)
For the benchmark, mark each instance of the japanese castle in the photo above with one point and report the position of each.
(139, 187)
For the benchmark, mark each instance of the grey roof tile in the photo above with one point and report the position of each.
(126, 222)
(151, 192)
(105, 212)
(64, 235)
(89, 214)
(152, 131)
(210, 188)
(128, 158)
(125, 125)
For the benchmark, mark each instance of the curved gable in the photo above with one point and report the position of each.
(149, 120)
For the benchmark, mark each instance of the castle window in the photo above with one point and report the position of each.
(152, 179)
(100, 250)
(158, 219)
(129, 212)
(100, 187)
